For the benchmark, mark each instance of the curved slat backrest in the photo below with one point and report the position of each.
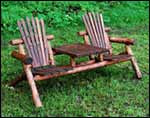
(34, 37)
(95, 28)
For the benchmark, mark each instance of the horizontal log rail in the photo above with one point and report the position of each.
(80, 68)
(82, 33)
(20, 41)
(23, 58)
(122, 40)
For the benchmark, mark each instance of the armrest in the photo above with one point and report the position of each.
(122, 40)
(20, 41)
(82, 33)
(107, 29)
(50, 37)
(23, 58)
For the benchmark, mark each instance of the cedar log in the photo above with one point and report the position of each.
(122, 40)
(80, 68)
(22, 57)
(30, 78)
(20, 41)
(134, 62)
(72, 61)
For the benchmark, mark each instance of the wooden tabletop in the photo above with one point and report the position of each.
(78, 50)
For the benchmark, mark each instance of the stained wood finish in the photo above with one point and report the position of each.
(86, 40)
(45, 45)
(122, 40)
(35, 39)
(80, 68)
(134, 62)
(24, 58)
(95, 29)
(101, 57)
(78, 50)
(72, 61)
(116, 57)
(49, 70)
(30, 78)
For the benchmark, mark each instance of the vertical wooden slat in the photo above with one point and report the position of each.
(33, 42)
(93, 27)
(101, 31)
(104, 33)
(89, 29)
(23, 34)
(23, 37)
(41, 42)
(27, 39)
(45, 45)
(99, 40)
(34, 37)
(37, 42)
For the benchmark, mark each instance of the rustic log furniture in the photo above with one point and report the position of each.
(38, 61)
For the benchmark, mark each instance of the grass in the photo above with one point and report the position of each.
(107, 91)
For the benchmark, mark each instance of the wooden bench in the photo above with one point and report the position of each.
(37, 55)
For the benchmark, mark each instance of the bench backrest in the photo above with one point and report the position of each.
(95, 28)
(34, 37)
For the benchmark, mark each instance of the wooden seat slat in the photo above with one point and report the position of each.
(49, 70)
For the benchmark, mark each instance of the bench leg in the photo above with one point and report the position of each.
(72, 61)
(17, 80)
(136, 68)
(134, 62)
(33, 87)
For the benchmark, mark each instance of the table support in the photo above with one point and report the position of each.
(72, 61)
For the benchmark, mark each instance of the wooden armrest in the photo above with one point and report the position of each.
(16, 41)
(50, 37)
(107, 29)
(82, 33)
(22, 57)
(20, 41)
(122, 40)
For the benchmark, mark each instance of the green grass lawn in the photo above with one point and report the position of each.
(107, 91)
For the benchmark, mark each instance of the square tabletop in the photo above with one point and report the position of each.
(78, 50)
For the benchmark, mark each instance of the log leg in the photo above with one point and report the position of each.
(17, 80)
(23, 76)
(134, 62)
(101, 57)
(32, 84)
(72, 61)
